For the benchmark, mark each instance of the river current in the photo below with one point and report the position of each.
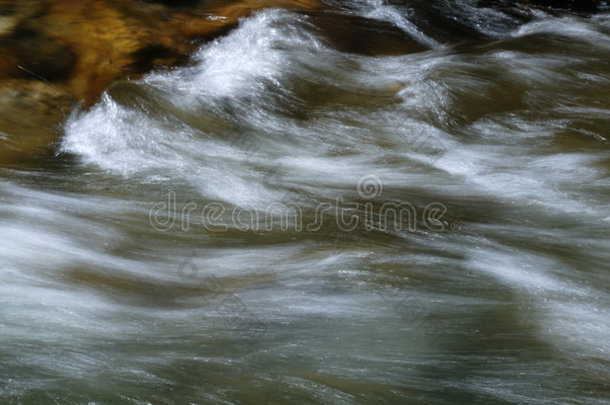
(286, 221)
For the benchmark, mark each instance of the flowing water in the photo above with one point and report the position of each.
(283, 221)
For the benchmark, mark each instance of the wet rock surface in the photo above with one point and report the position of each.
(365, 36)
(58, 53)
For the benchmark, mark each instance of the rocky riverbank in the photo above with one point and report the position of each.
(61, 53)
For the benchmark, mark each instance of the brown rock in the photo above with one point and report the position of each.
(31, 112)
(56, 52)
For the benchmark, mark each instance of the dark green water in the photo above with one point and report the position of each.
(287, 222)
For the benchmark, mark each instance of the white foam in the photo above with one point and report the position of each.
(578, 29)
(377, 9)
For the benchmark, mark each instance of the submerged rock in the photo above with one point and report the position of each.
(578, 6)
(365, 36)
(521, 8)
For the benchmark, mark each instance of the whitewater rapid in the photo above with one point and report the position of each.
(503, 300)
